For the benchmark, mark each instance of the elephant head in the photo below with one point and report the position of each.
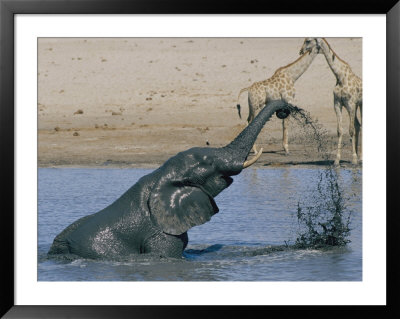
(153, 216)
(183, 195)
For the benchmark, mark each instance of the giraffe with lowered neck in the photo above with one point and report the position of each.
(347, 92)
(280, 86)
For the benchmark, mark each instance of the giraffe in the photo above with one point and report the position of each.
(347, 92)
(280, 86)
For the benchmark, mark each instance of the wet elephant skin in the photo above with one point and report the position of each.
(154, 215)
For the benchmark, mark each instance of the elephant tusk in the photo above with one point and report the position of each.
(253, 160)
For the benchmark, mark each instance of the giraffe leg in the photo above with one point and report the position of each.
(353, 138)
(285, 136)
(338, 111)
(357, 127)
(358, 132)
(289, 98)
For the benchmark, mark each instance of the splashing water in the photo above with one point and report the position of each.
(326, 222)
(313, 134)
(323, 217)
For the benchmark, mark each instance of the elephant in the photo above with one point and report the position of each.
(154, 215)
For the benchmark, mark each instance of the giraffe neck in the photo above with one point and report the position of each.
(336, 64)
(295, 69)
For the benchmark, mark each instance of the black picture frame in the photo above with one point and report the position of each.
(8, 10)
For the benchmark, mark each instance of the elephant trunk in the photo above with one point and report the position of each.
(241, 146)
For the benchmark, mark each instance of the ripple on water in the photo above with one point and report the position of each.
(257, 213)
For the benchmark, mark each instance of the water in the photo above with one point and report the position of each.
(245, 241)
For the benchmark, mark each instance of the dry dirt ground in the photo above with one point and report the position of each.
(134, 102)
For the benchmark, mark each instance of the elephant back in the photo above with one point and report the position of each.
(60, 244)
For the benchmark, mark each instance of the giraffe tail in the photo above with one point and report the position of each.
(238, 105)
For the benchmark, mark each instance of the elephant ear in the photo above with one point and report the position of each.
(176, 207)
